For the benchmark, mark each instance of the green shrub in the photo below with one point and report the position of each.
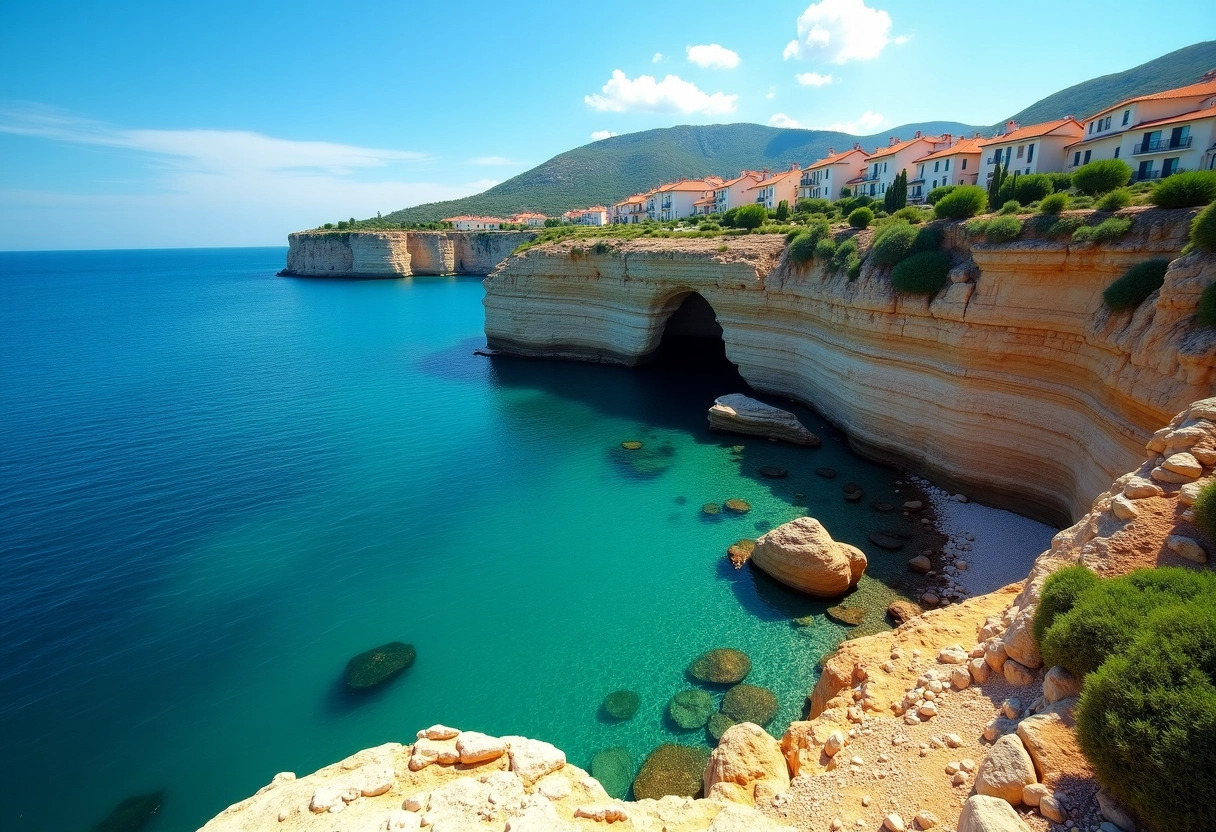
(824, 249)
(925, 273)
(1101, 176)
(1116, 199)
(1203, 229)
(880, 214)
(1185, 190)
(911, 214)
(977, 228)
(1010, 207)
(853, 267)
(1079, 202)
(813, 206)
(1146, 720)
(863, 201)
(1032, 187)
(1109, 229)
(1059, 595)
(1060, 182)
(1003, 229)
(893, 243)
(1053, 203)
(802, 248)
(934, 196)
(789, 237)
(962, 202)
(1134, 287)
(1206, 311)
(1205, 505)
(1061, 227)
(861, 217)
(749, 216)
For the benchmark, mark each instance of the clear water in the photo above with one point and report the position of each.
(217, 485)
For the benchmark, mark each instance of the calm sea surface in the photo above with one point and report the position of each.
(216, 485)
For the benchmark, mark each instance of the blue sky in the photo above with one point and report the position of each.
(151, 124)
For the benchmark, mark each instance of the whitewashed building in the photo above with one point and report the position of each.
(825, 178)
(771, 191)
(629, 211)
(958, 164)
(1039, 148)
(676, 200)
(467, 223)
(733, 192)
(885, 164)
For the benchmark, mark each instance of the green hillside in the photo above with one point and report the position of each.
(611, 169)
(1177, 69)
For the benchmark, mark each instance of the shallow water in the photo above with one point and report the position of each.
(217, 485)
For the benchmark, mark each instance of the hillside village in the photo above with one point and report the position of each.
(1157, 135)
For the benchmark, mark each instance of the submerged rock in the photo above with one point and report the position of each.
(885, 541)
(710, 508)
(736, 413)
(773, 472)
(645, 461)
(801, 554)
(132, 814)
(690, 708)
(804, 621)
(851, 616)
(737, 506)
(622, 704)
(613, 767)
(671, 769)
(723, 666)
(740, 551)
(378, 665)
(826, 473)
(632, 445)
(750, 703)
(717, 725)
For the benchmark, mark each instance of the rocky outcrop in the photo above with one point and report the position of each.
(393, 254)
(737, 413)
(1015, 383)
(801, 554)
(747, 766)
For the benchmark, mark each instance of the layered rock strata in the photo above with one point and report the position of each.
(737, 413)
(390, 254)
(1014, 382)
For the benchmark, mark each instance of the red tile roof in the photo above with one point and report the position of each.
(963, 146)
(837, 157)
(898, 146)
(1034, 131)
(1200, 90)
(751, 174)
(777, 177)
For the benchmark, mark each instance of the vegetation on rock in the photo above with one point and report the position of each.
(1053, 203)
(378, 665)
(1109, 229)
(723, 666)
(1116, 199)
(1032, 188)
(1206, 311)
(1003, 229)
(690, 708)
(1205, 506)
(1185, 190)
(1203, 229)
(671, 769)
(962, 202)
(750, 216)
(861, 217)
(1135, 286)
(1101, 176)
(926, 273)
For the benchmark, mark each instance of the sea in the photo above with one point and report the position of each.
(218, 485)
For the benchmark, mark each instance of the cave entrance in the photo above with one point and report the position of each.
(692, 337)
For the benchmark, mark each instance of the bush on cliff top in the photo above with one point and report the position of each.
(1205, 505)
(1032, 188)
(922, 274)
(1135, 286)
(1002, 229)
(802, 248)
(1147, 715)
(1116, 199)
(749, 216)
(1101, 176)
(962, 202)
(1053, 203)
(934, 196)
(861, 217)
(1185, 190)
(1109, 229)
(1203, 229)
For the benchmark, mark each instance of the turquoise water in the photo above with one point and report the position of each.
(217, 485)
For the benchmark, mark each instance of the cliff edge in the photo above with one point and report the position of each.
(392, 254)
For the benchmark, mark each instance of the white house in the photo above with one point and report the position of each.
(595, 215)
(467, 223)
(781, 186)
(733, 193)
(629, 211)
(885, 164)
(1038, 148)
(958, 164)
(825, 178)
(1157, 135)
(676, 200)
(530, 219)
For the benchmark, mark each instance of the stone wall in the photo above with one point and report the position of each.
(1014, 383)
(393, 254)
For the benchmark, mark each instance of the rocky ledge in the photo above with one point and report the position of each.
(737, 413)
(390, 254)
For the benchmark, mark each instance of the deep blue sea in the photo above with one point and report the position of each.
(217, 485)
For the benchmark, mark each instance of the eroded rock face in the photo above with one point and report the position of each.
(737, 413)
(398, 253)
(801, 554)
(1028, 321)
(746, 756)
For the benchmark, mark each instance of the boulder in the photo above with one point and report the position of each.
(826, 473)
(1060, 684)
(622, 704)
(1051, 741)
(378, 665)
(801, 554)
(476, 747)
(722, 666)
(886, 541)
(737, 506)
(737, 413)
(671, 769)
(849, 616)
(989, 814)
(1186, 547)
(745, 756)
(613, 767)
(533, 759)
(740, 551)
(750, 703)
(1005, 770)
(903, 611)
(920, 564)
(690, 708)
(773, 472)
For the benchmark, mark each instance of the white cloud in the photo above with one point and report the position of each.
(771, 94)
(813, 79)
(867, 122)
(782, 120)
(207, 187)
(658, 56)
(495, 160)
(900, 40)
(712, 56)
(645, 93)
(838, 31)
(602, 134)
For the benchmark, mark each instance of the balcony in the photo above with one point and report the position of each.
(1148, 176)
(868, 177)
(1162, 145)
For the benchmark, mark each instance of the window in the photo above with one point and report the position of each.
(1087, 156)
(1030, 153)
(884, 167)
(1126, 115)
(936, 166)
(1091, 127)
(964, 164)
(1076, 158)
(1169, 167)
(1021, 150)
(1117, 149)
(947, 165)
(935, 183)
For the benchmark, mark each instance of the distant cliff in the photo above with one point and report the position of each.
(1014, 382)
(391, 254)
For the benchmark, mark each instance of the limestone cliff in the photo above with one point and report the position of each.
(398, 253)
(1014, 382)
